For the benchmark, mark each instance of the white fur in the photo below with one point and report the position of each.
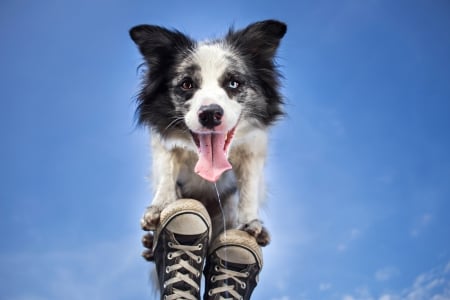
(211, 59)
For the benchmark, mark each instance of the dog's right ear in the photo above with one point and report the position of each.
(260, 40)
(158, 44)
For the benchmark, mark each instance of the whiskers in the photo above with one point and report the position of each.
(173, 123)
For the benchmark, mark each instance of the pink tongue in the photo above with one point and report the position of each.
(212, 160)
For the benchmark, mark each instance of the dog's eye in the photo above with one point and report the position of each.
(187, 84)
(233, 84)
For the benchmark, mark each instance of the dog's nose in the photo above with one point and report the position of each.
(210, 116)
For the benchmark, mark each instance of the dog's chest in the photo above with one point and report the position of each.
(190, 185)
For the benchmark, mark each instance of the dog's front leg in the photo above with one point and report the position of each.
(249, 160)
(164, 172)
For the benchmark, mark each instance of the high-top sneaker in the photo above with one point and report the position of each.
(180, 247)
(232, 267)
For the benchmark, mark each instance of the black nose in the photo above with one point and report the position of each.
(210, 116)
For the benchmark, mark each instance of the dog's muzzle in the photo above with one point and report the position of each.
(210, 116)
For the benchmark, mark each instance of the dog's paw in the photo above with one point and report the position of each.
(147, 242)
(256, 229)
(151, 218)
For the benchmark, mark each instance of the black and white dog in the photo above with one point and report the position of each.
(209, 106)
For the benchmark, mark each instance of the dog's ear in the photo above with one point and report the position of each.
(158, 44)
(260, 39)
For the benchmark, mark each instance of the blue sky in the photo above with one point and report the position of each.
(359, 171)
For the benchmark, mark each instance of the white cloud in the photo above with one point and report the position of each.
(434, 284)
(324, 286)
(103, 270)
(282, 298)
(426, 218)
(431, 285)
(421, 224)
(342, 247)
(355, 233)
(351, 236)
(386, 273)
(447, 268)
(361, 293)
(386, 297)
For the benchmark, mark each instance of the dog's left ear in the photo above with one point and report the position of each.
(157, 44)
(260, 39)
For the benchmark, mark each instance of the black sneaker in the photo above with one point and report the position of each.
(180, 247)
(233, 265)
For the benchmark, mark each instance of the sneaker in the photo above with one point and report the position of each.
(180, 247)
(233, 265)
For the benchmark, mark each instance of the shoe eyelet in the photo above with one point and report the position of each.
(200, 246)
(199, 259)
(170, 255)
(243, 285)
(210, 293)
(247, 274)
(168, 270)
(198, 274)
(213, 278)
(170, 244)
(216, 268)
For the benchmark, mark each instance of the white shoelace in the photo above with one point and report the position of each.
(225, 276)
(182, 264)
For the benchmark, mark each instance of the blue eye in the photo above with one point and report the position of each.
(233, 84)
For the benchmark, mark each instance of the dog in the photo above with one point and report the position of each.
(209, 106)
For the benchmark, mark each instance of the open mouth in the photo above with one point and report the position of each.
(228, 137)
(212, 148)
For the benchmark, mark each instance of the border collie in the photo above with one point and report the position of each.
(209, 106)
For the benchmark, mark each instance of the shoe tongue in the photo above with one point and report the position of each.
(212, 160)
(186, 239)
(234, 266)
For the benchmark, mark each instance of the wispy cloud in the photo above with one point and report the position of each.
(361, 293)
(387, 178)
(104, 270)
(386, 273)
(433, 284)
(385, 297)
(421, 224)
(282, 298)
(350, 237)
(324, 286)
(447, 268)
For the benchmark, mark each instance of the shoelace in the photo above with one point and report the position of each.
(183, 264)
(225, 276)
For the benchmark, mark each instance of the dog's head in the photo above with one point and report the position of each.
(205, 89)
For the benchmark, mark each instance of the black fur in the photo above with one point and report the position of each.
(161, 49)
(257, 44)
